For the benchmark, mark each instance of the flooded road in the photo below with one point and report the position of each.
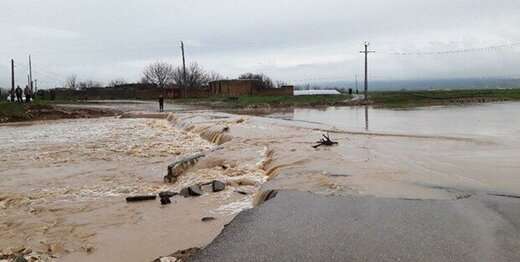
(429, 152)
(64, 182)
(493, 119)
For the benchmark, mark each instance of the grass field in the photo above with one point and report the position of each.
(389, 99)
(423, 98)
(268, 101)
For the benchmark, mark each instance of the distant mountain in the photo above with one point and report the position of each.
(428, 84)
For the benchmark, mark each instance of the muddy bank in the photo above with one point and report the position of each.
(34, 112)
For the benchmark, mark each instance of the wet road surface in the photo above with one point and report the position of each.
(297, 226)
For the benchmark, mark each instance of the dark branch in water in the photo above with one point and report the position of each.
(325, 141)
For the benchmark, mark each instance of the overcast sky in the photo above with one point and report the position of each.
(296, 41)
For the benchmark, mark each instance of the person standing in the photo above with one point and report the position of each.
(19, 94)
(27, 93)
(161, 103)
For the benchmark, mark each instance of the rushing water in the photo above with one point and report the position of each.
(495, 119)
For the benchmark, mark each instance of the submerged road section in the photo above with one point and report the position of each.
(298, 226)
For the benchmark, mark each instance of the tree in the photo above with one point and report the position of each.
(266, 81)
(214, 76)
(71, 82)
(196, 76)
(117, 82)
(279, 84)
(158, 73)
(88, 84)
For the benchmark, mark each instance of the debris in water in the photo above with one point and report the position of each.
(20, 259)
(194, 191)
(167, 194)
(217, 186)
(165, 200)
(141, 198)
(241, 192)
(207, 219)
(325, 141)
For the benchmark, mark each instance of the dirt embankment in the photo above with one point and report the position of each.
(31, 112)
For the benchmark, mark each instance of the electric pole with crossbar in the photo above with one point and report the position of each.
(366, 67)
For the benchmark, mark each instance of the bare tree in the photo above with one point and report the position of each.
(214, 76)
(117, 82)
(266, 81)
(158, 73)
(88, 84)
(280, 84)
(72, 82)
(196, 76)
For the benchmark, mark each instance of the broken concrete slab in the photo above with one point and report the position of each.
(180, 166)
(167, 194)
(192, 191)
(141, 198)
(207, 219)
(217, 186)
(165, 201)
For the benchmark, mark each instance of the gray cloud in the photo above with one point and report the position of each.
(291, 40)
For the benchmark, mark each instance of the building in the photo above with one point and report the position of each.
(246, 87)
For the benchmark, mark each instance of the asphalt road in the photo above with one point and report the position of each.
(297, 226)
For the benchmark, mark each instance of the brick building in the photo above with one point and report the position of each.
(246, 87)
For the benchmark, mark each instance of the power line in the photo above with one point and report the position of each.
(456, 51)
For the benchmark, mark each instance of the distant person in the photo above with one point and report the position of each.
(27, 93)
(53, 94)
(161, 103)
(19, 94)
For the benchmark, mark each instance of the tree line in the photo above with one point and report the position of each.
(162, 74)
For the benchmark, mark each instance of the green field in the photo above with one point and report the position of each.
(389, 99)
(267, 101)
(403, 99)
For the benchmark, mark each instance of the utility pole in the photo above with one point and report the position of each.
(357, 90)
(30, 75)
(184, 71)
(366, 67)
(12, 80)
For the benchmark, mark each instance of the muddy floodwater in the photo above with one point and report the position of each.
(493, 119)
(63, 183)
(422, 152)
